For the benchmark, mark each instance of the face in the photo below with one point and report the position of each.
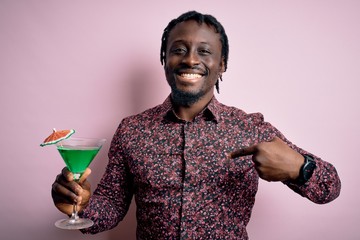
(193, 62)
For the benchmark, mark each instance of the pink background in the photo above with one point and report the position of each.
(88, 64)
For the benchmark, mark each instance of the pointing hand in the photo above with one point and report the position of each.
(274, 160)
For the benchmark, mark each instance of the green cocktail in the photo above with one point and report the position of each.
(78, 159)
(77, 154)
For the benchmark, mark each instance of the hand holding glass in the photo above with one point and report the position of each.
(77, 154)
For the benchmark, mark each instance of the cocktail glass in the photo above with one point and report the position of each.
(77, 154)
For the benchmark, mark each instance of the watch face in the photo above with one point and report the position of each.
(308, 169)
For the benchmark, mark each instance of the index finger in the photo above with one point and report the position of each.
(246, 151)
(67, 174)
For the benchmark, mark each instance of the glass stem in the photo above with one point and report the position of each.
(74, 216)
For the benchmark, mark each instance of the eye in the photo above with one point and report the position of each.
(178, 50)
(204, 51)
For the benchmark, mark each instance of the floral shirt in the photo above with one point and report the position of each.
(184, 185)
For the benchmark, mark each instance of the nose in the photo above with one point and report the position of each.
(191, 58)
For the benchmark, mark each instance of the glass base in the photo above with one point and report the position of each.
(71, 224)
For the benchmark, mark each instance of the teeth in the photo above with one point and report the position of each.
(190, 75)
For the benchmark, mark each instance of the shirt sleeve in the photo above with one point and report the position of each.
(324, 184)
(112, 197)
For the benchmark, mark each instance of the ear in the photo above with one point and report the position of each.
(222, 65)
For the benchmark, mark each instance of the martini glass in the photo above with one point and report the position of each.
(77, 154)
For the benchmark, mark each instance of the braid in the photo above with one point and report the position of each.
(200, 18)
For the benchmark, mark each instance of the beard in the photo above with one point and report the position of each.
(183, 98)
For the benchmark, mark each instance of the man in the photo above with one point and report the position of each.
(192, 163)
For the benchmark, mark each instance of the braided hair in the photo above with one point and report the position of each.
(200, 18)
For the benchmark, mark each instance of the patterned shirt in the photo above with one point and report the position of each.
(184, 185)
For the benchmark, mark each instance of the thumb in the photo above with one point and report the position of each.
(243, 152)
(85, 175)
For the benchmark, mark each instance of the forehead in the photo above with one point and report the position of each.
(192, 31)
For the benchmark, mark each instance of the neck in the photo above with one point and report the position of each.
(188, 113)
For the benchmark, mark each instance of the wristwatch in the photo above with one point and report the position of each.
(306, 170)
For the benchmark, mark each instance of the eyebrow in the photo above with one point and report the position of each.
(181, 41)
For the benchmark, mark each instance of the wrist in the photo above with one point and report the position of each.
(298, 162)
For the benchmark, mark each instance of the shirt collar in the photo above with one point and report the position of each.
(210, 112)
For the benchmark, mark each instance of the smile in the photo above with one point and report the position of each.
(190, 75)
